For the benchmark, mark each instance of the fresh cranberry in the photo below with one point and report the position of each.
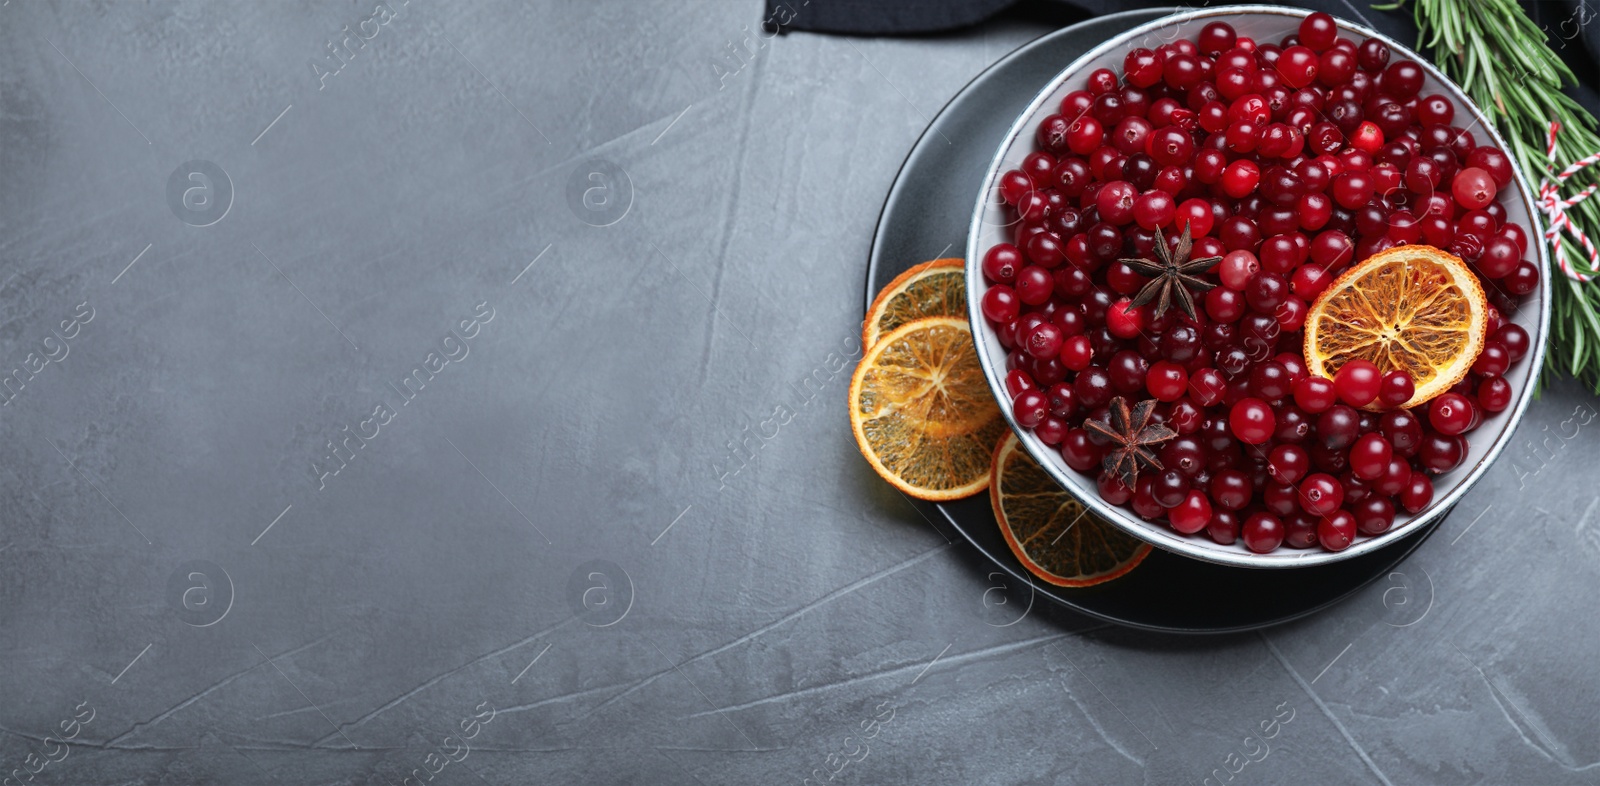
(1396, 388)
(1494, 394)
(1321, 494)
(1262, 533)
(1338, 531)
(1417, 493)
(1314, 394)
(1167, 381)
(1374, 515)
(1223, 527)
(1231, 489)
(1338, 427)
(1191, 515)
(1029, 408)
(1318, 31)
(1370, 456)
(1358, 382)
(1450, 413)
(1124, 319)
(1440, 453)
(1216, 37)
(1251, 420)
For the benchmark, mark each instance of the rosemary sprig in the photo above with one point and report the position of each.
(1501, 59)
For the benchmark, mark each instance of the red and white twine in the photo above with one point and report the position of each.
(1555, 210)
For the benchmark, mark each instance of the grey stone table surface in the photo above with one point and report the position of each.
(539, 271)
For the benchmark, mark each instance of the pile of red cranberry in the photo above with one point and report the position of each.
(1290, 161)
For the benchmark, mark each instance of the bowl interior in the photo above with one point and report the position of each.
(990, 225)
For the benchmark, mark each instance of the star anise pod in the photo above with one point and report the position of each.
(1174, 274)
(1133, 438)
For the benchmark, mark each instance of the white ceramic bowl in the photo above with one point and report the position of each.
(1265, 24)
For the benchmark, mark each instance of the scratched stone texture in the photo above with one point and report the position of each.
(760, 617)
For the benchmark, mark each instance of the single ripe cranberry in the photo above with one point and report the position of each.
(1192, 514)
(1215, 38)
(1112, 489)
(1318, 31)
(1167, 381)
(1450, 413)
(1523, 280)
(1493, 361)
(1373, 54)
(1374, 515)
(1494, 394)
(1231, 489)
(1368, 137)
(1169, 488)
(1370, 456)
(1001, 263)
(1270, 381)
(1206, 386)
(1030, 408)
(1240, 178)
(1000, 304)
(1252, 421)
(1298, 66)
(1417, 493)
(1142, 67)
(1357, 382)
(1266, 292)
(1034, 285)
(1394, 479)
(1440, 454)
(1223, 527)
(1180, 344)
(1093, 388)
(1080, 453)
(1499, 257)
(1076, 352)
(1262, 532)
(1288, 464)
(1043, 341)
(1063, 402)
(1185, 417)
(1314, 394)
(1237, 268)
(1473, 188)
(1396, 388)
(1338, 427)
(1154, 208)
(1184, 454)
(1515, 339)
(1128, 370)
(1300, 531)
(1124, 319)
(1402, 79)
(1338, 531)
(1321, 494)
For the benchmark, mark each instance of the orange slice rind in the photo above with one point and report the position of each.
(931, 289)
(1051, 533)
(1411, 307)
(922, 412)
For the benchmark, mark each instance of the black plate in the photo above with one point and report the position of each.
(926, 215)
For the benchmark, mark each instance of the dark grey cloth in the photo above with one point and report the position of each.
(1571, 24)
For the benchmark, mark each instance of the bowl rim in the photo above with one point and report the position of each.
(1162, 536)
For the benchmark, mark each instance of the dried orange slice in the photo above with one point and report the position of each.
(931, 289)
(1411, 307)
(922, 413)
(1051, 533)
